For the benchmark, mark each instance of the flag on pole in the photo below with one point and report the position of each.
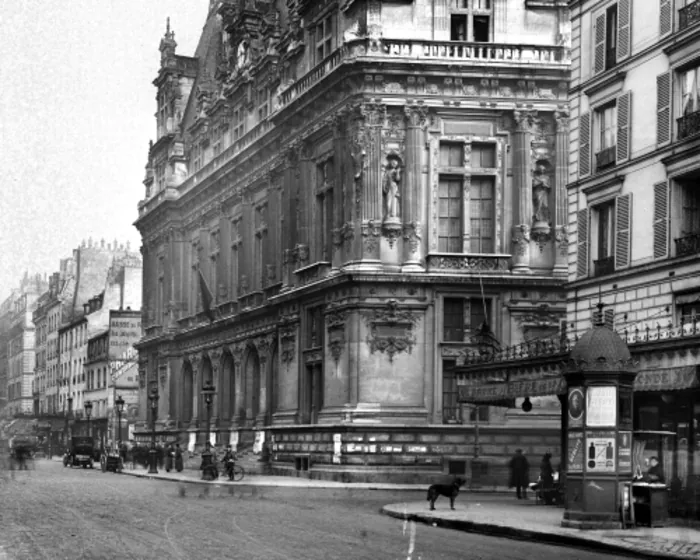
(206, 297)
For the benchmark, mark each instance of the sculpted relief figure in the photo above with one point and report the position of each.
(392, 180)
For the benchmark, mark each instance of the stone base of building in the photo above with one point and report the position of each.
(591, 520)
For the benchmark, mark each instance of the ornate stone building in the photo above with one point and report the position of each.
(339, 197)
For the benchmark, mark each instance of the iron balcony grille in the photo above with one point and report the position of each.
(604, 266)
(689, 15)
(605, 157)
(688, 125)
(688, 245)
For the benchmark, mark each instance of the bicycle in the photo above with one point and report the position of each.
(234, 471)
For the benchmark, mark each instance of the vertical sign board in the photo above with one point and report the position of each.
(337, 447)
(600, 452)
(574, 463)
(624, 452)
(576, 403)
(601, 407)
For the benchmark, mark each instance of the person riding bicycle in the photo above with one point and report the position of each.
(229, 460)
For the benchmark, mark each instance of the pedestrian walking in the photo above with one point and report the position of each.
(169, 457)
(546, 485)
(178, 458)
(519, 474)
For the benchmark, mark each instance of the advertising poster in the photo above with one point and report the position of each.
(337, 447)
(576, 407)
(601, 406)
(575, 453)
(233, 440)
(190, 444)
(600, 452)
(624, 452)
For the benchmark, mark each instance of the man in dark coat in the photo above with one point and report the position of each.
(519, 474)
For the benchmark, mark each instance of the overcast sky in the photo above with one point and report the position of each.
(76, 115)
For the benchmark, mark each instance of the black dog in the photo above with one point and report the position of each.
(448, 490)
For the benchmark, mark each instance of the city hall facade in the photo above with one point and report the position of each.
(342, 200)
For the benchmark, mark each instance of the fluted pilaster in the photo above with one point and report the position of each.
(524, 121)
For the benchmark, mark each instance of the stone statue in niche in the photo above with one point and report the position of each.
(540, 191)
(392, 180)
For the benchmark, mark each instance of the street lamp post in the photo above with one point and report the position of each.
(70, 413)
(88, 411)
(207, 471)
(153, 397)
(119, 406)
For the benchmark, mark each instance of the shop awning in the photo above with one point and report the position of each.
(496, 392)
(667, 379)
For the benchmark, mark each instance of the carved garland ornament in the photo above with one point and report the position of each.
(371, 231)
(335, 320)
(391, 330)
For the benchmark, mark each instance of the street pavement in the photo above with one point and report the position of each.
(54, 513)
(491, 513)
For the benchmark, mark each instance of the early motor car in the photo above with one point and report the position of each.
(80, 453)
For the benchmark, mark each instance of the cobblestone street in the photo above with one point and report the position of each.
(54, 513)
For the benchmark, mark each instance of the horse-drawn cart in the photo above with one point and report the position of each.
(111, 461)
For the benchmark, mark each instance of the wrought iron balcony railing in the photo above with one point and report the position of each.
(688, 125)
(688, 245)
(605, 157)
(604, 266)
(689, 15)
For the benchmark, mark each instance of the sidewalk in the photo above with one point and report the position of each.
(524, 519)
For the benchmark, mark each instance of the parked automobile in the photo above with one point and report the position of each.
(80, 453)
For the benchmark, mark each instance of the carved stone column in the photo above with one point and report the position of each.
(561, 245)
(412, 204)
(238, 414)
(337, 125)
(290, 203)
(196, 362)
(522, 217)
(370, 182)
(215, 360)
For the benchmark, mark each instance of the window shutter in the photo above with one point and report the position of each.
(665, 17)
(599, 52)
(661, 220)
(663, 109)
(624, 107)
(624, 21)
(582, 244)
(584, 148)
(623, 223)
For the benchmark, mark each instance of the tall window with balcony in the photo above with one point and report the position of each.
(233, 266)
(214, 264)
(263, 103)
(611, 36)
(260, 242)
(688, 13)
(610, 239)
(238, 123)
(689, 120)
(606, 136)
(323, 223)
(470, 20)
(451, 199)
(323, 34)
(688, 242)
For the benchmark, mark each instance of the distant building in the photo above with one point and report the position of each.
(111, 366)
(21, 346)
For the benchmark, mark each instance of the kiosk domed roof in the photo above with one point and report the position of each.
(602, 346)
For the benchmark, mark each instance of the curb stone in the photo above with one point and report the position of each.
(529, 534)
